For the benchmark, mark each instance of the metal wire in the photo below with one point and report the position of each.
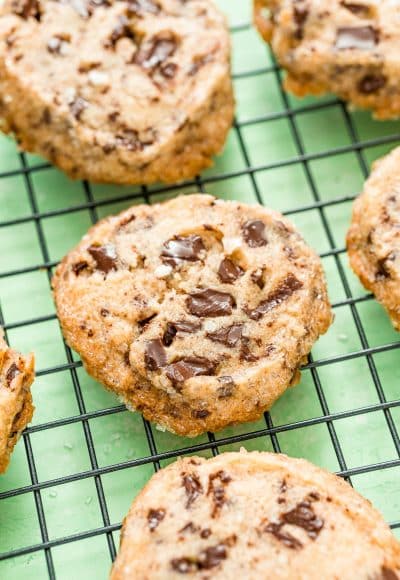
(213, 445)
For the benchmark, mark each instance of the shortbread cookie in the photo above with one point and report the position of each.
(16, 408)
(253, 516)
(214, 304)
(348, 47)
(125, 91)
(373, 240)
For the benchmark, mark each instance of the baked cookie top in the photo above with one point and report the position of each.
(253, 515)
(128, 79)
(350, 47)
(214, 302)
(16, 409)
(373, 240)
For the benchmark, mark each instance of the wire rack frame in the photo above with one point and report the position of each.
(366, 351)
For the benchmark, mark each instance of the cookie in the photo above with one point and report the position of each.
(131, 91)
(253, 516)
(16, 408)
(347, 47)
(373, 240)
(208, 307)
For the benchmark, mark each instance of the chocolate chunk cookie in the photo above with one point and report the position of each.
(373, 240)
(205, 307)
(253, 516)
(189, 297)
(124, 91)
(16, 408)
(348, 47)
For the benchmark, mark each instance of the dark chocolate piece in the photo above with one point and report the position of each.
(154, 517)
(140, 7)
(285, 537)
(210, 303)
(193, 488)
(283, 291)
(231, 335)
(104, 256)
(184, 326)
(77, 106)
(155, 356)
(371, 83)
(300, 14)
(78, 267)
(12, 372)
(226, 388)
(216, 488)
(229, 272)
(253, 233)
(212, 557)
(356, 37)
(182, 248)
(303, 516)
(188, 367)
(157, 50)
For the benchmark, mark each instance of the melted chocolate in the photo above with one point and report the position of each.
(231, 335)
(193, 488)
(188, 367)
(303, 516)
(104, 256)
(284, 290)
(229, 272)
(182, 248)
(154, 517)
(155, 356)
(210, 303)
(285, 537)
(253, 233)
(183, 326)
(356, 37)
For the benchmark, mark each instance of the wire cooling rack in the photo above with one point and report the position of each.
(83, 459)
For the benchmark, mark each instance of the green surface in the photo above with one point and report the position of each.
(265, 139)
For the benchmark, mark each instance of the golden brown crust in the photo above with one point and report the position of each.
(265, 515)
(373, 240)
(16, 408)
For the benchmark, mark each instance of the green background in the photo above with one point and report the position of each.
(285, 152)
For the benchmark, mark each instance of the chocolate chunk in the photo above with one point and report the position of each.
(258, 278)
(356, 37)
(253, 233)
(122, 30)
(12, 372)
(104, 256)
(206, 533)
(216, 488)
(28, 9)
(245, 352)
(200, 413)
(174, 327)
(190, 527)
(387, 574)
(300, 14)
(231, 335)
(104, 312)
(168, 70)
(182, 248)
(145, 321)
(129, 140)
(229, 272)
(284, 290)
(371, 83)
(154, 517)
(188, 367)
(382, 271)
(140, 7)
(154, 356)
(77, 106)
(303, 516)
(356, 8)
(184, 565)
(193, 488)
(212, 557)
(210, 303)
(285, 537)
(156, 51)
(78, 267)
(226, 388)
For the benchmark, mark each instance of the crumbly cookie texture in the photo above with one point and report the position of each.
(203, 308)
(373, 240)
(254, 516)
(16, 408)
(130, 91)
(348, 47)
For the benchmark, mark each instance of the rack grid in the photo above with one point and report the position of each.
(84, 457)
